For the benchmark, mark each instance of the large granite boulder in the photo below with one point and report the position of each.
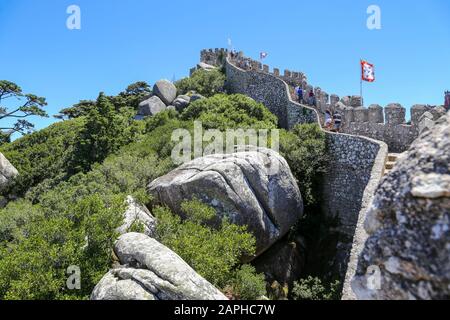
(407, 255)
(166, 91)
(150, 271)
(137, 214)
(254, 188)
(7, 171)
(151, 106)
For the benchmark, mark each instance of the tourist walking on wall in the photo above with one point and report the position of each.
(299, 92)
(328, 120)
(337, 122)
(312, 98)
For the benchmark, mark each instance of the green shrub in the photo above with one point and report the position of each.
(212, 252)
(206, 83)
(229, 112)
(45, 154)
(34, 266)
(247, 284)
(13, 219)
(304, 148)
(313, 289)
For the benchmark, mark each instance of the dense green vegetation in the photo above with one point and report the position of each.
(76, 174)
(128, 99)
(213, 252)
(314, 289)
(304, 149)
(230, 111)
(206, 83)
(43, 155)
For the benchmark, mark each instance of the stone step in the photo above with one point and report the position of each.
(392, 157)
(390, 165)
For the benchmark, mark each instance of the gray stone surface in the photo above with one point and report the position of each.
(7, 171)
(376, 114)
(361, 114)
(356, 101)
(205, 66)
(151, 106)
(137, 214)
(409, 224)
(395, 114)
(150, 271)
(417, 111)
(426, 122)
(181, 102)
(254, 188)
(166, 91)
(196, 96)
(346, 101)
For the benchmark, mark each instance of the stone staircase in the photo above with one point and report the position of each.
(390, 163)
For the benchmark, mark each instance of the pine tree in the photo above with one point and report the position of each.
(102, 134)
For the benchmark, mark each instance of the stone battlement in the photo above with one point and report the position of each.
(386, 124)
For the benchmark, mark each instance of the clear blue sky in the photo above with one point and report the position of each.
(125, 41)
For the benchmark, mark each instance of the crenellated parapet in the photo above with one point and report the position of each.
(214, 57)
(387, 124)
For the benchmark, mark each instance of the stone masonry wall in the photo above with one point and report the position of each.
(357, 162)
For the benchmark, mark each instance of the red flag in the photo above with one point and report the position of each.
(367, 71)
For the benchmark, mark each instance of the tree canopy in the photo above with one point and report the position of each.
(15, 104)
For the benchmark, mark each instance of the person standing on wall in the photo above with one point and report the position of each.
(299, 92)
(328, 120)
(337, 122)
(312, 98)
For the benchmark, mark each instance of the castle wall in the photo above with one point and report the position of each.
(385, 124)
(345, 189)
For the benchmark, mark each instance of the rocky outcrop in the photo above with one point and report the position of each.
(151, 106)
(165, 98)
(181, 102)
(407, 255)
(166, 91)
(205, 66)
(137, 214)
(254, 188)
(150, 271)
(7, 171)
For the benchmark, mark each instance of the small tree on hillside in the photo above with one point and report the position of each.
(24, 106)
(102, 134)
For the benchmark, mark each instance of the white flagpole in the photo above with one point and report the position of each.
(361, 81)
